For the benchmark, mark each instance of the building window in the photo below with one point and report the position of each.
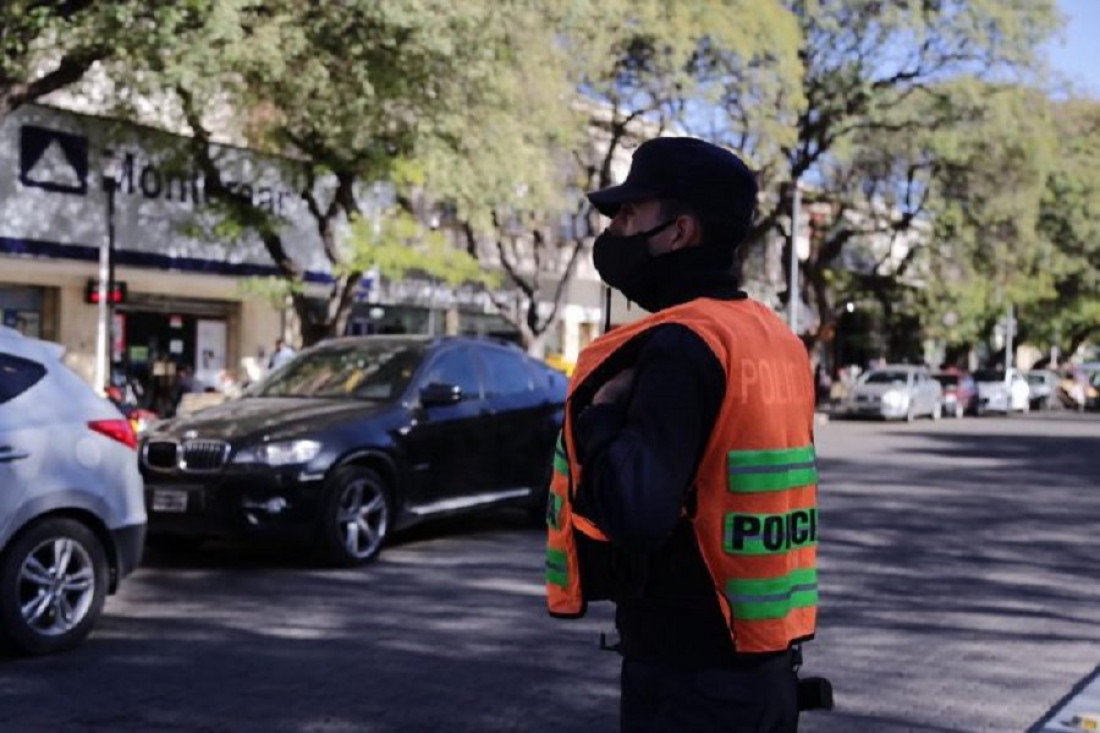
(21, 309)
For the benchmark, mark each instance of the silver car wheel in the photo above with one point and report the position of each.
(363, 518)
(56, 586)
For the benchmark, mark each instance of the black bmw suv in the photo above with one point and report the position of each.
(355, 438)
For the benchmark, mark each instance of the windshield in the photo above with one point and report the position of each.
(989, 375)
(886, 377)
(378, 370)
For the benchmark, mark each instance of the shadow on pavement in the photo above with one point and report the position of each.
(954, 555)
(445, 633)
(244, 554)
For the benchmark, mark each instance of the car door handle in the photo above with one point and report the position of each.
(8, 454)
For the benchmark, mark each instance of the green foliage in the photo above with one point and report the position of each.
(582, 83)
(47, 46)
(881, 81)
(396, 244)
(1069, 227)
(400, 92)
(274, 290)
(899, 114)
(992, 171)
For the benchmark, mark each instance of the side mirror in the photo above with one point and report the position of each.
(440, 395)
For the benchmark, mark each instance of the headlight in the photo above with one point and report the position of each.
(288, 453)
(895, 399)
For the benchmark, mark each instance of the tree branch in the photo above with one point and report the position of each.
(241, 208)
(563, 282)
(69, 70)
(510, 269)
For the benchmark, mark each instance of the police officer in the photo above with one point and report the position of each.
(685, 480)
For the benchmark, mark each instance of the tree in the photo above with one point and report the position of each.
(874, 74)
(349, 98)
(991, 175)
(47, 46)
(1068, 314)
(612, 75)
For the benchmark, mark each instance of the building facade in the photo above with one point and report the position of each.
(187, 299)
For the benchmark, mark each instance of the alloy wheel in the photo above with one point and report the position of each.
(363, 518)
(57, 586)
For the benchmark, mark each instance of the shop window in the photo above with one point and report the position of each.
(21, 309)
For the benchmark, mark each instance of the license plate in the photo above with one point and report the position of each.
(169, 500)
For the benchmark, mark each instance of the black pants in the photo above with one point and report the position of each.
(660, 699)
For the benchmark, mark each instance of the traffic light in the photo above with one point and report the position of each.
(114, 297)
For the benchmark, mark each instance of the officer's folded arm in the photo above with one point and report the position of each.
(638, 458)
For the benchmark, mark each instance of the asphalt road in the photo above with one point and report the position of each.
(960, 593)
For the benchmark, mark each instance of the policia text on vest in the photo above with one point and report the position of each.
(758, 534)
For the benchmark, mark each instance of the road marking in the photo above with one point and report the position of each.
(1077, 711)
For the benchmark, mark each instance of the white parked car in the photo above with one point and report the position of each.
(1001, 392)
(896, 392)
(72, 513)
(1042, 389)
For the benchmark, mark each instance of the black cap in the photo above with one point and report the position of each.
(686, 169)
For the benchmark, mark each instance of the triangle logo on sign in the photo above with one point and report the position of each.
(53, 167)
(53, 160)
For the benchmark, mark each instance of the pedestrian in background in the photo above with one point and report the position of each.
(685, 481)
(281, 355)
(185, 384)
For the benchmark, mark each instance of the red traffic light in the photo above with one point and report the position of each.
(116, 296)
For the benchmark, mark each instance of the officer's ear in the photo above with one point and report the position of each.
(687, 232)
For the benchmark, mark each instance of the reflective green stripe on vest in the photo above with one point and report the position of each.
(752, 471)
(561, 462)
(755, 600)
(770, 534)
(554, 504)
(557, 567)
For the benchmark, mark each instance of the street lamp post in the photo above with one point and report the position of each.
(110, 183)
(794, 296)
(106, 287)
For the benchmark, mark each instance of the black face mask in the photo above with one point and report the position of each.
(626, 264)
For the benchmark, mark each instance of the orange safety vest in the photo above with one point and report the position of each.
(756, 516)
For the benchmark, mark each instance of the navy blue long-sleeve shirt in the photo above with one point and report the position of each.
(639, 458)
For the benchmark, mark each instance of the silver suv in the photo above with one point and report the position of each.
(896, 391)
(72, 513)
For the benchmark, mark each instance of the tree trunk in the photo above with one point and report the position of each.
(317, 326)
(1079, 337)
(536, 347)
(818, 287)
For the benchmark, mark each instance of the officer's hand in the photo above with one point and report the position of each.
(615, 391)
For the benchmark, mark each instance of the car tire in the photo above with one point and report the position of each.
(53, 583)
(356, 517)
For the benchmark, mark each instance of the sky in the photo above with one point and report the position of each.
(1077, 55)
